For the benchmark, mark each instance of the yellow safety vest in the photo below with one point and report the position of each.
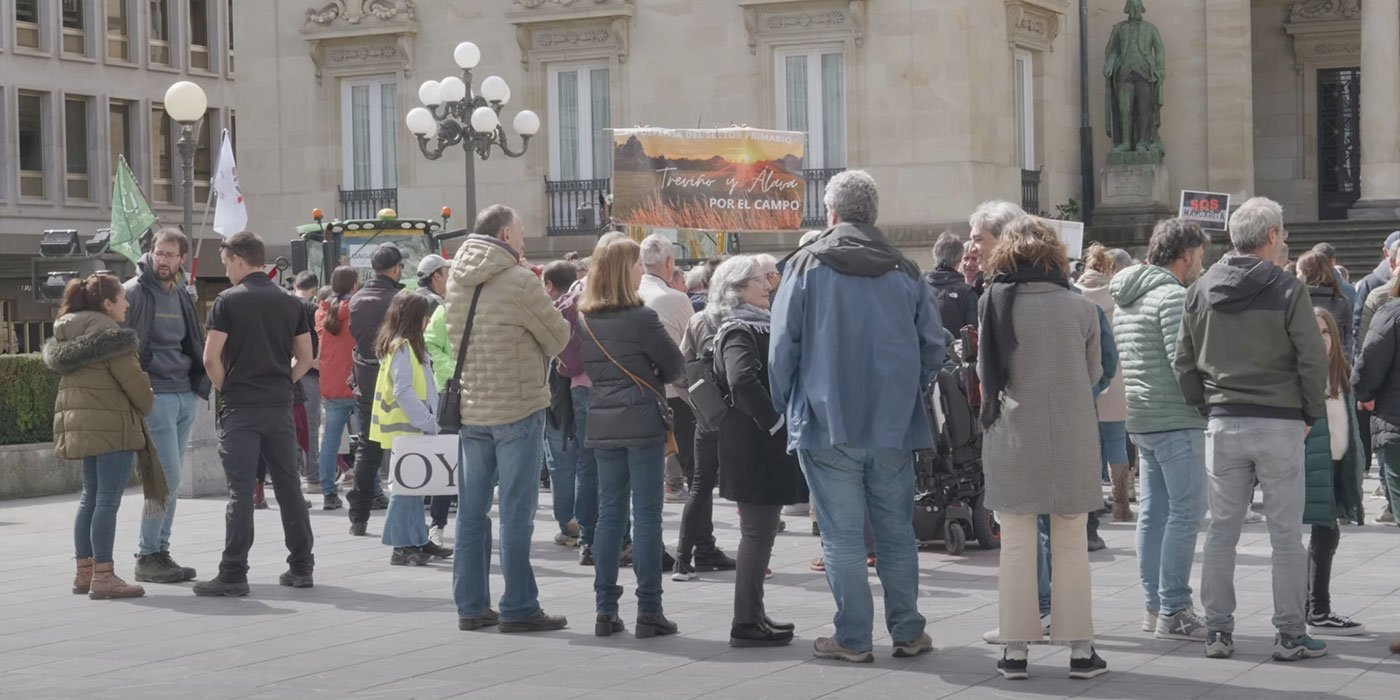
(389, 420)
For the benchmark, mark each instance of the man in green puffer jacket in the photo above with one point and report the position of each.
(1168, 433)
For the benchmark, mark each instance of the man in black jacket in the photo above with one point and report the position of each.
(957, 303)
(172, 347)
(367, 310)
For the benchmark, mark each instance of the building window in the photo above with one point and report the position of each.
(369, 124)
(160, 32)
(580, 145)
(232, 132)
(74, 27)
(27, 31)
(162, 147)
(230, 36)
(31, 145)
(203, 153)
(199, 34)
(812, 99)
(118, 31)
(76, 144)
(1025, 110)
(120, 134)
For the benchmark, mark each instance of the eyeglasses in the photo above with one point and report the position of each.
(167, 256)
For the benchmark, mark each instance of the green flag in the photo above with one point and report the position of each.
(131, 214)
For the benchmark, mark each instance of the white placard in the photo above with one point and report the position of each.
(1071, 233)
(424, 465)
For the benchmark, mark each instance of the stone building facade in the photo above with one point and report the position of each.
(81, 83)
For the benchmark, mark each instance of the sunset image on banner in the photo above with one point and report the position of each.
(735, 179)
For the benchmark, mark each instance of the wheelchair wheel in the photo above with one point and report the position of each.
(985, 528)
(954, 539)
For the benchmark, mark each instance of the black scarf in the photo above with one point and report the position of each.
(997, 334)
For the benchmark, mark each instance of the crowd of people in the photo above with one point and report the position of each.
(796, 386)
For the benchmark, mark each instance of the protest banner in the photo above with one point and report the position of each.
(735, 179)
(1209, 209)
(424, 465)
(1071, 233)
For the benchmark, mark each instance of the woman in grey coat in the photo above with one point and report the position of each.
(1039, 361)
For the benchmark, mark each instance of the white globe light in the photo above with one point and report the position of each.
(420, 121)
(494, 89)
(185, 102)
(467, 55)
(453, 89)
(527, 123)
(484, 120)
(430, 93)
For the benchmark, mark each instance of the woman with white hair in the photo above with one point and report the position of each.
(756, 470)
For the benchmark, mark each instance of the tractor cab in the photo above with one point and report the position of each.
(321, 247)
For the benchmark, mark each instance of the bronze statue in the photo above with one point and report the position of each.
(1135, 66)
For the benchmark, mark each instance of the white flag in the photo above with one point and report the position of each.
(230, 212)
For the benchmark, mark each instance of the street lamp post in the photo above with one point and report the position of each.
(454, 114)
(186, 103)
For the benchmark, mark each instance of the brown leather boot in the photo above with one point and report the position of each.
(106, 584)
(82, 581)
(1122, 475)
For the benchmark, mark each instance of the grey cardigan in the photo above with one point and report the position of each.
(1042, 455)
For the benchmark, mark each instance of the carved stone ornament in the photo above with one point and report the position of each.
(354, 36)
(1324, 30)
(356, 11)
(1033, 24)
(558, 27)
(778, 18)
(1323, 10)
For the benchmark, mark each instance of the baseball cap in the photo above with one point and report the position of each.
(386, 257)
(430, 264)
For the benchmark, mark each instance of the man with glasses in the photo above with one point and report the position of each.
(171, 349)
(367, 310)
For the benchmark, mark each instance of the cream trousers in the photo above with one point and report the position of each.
(1071, 595)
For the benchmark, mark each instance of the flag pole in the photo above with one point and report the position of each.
(208, 202)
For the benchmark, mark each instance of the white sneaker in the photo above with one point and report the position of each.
(435, 535)
(994, 636)
(1183, 624)
(1252, 517)
(1149, 621)
(797, 509)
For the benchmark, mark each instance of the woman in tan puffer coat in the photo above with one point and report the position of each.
(98, 418)
(1112, 404)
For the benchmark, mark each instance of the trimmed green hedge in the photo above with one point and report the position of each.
(27, 394)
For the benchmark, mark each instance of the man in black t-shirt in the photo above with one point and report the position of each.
(259, 345)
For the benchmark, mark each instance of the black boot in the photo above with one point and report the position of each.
(154, 568)
(758, 635)
(607, 625)
(654, 624)
(780, 626)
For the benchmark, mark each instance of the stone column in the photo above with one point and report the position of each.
(1229, 98)
(1380, 103)
(202, 474)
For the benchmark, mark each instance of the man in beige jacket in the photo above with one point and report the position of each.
(514, 331)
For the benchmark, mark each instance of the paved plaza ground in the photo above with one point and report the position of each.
(368, 630)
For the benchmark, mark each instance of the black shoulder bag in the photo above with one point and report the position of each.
(449, 408)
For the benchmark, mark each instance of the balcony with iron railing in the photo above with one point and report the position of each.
(563, 200)
(814, 210)
(365, 204)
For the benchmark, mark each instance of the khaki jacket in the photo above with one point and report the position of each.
(517, 331)
(103, 394)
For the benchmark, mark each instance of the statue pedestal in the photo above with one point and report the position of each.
(202, 474)
(1134, 197)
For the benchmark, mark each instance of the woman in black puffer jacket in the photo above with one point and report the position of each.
(1325, 291)
(630, 358)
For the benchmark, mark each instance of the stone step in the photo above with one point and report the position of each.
(1357, 242)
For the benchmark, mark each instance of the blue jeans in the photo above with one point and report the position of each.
(509, 453)
(403, 524)
(104, 479)
(638, 472)
(170, 423)
(848, 484)
(573, 472)
(340, 413)
(1171, 506)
